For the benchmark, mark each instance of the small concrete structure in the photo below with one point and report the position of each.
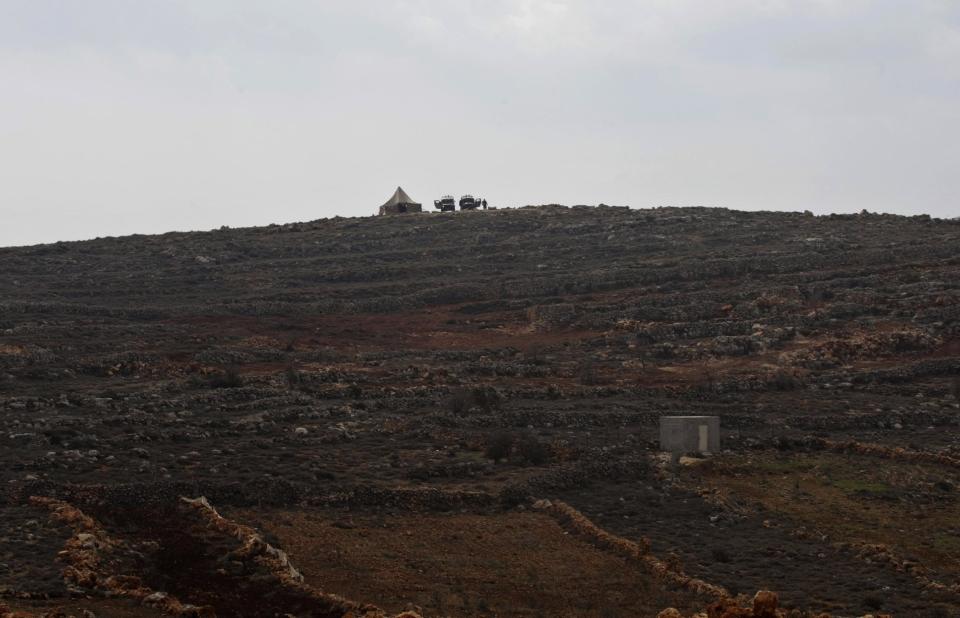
(690, 434)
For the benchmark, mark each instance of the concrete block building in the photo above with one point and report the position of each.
(690, 434)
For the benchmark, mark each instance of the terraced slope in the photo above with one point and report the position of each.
(472, 361)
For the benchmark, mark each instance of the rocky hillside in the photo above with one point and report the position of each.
(477, 361)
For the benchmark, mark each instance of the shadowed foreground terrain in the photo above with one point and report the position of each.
(415, 412)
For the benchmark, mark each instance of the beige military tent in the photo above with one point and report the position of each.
(399, 203)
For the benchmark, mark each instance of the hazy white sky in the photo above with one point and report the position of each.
(122, 116)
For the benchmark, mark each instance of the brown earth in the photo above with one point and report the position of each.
(433, 367)
(99, 607)
(460, 564)
(852, 500)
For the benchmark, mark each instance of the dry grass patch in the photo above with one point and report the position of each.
(911, 508)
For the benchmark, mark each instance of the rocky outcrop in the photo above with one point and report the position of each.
(546, 318)
(888, 452)
(835, 352)
(93, 559)
(268, 561)
(765, 604)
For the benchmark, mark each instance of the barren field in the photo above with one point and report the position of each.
(387, 399)
(114, 609)
(521, 564)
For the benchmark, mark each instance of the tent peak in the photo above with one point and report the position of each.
(400, 197)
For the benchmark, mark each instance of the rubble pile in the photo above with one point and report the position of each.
(765, 604)
(93, 559)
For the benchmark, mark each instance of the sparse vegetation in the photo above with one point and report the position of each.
(294, 379)
(483, 398)
(229, 378)
(499, 446)
(857, 486)
(872, 602)
(378, 380)
(784, 381)
(588, 373)
(835, 495)
(532, 450)
(720, 555)
(460, 401)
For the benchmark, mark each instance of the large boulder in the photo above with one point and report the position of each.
(765, 604)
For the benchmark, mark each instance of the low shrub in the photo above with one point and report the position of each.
(784, 381)
(230, 378)
(499, 446)
(532, 450)
(588, 374)
(459, 401)
(484, 397)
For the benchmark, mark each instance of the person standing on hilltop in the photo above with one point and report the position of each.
(483, 203)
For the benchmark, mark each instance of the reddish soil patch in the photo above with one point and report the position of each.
(99, 607)
(438, 328)
(456, 565)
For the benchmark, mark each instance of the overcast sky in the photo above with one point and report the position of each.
(123, 116)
